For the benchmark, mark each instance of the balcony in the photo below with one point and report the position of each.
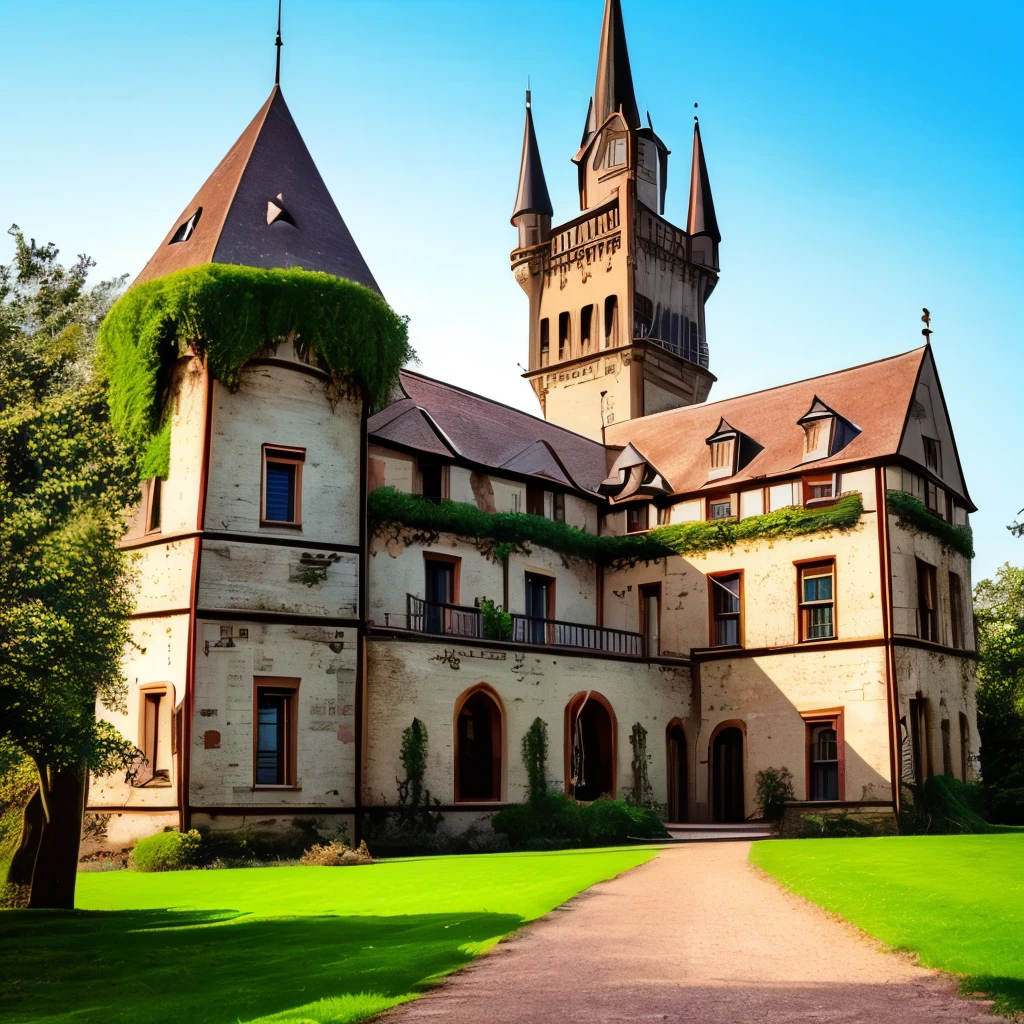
(462, 621)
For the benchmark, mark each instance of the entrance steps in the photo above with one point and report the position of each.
(715, 832)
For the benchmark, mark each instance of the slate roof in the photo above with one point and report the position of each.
(875, 397)
(700, 218)
(441, 419)
(532, 194)
(270, 159)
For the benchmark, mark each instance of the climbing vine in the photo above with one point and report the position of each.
(915, 515)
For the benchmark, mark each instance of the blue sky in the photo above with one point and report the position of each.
(866, 161)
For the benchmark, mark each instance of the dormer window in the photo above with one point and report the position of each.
(722, 456)
(184, 232)
(616, 153)
(825, 431)
(932, 455)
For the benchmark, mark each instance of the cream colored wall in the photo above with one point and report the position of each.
(767, 694)
(324, 660)
(407, 679)
(163, 575)
(575, 584)
(399, 468)
(280, 406)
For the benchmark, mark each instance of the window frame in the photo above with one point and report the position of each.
(808, 483)
(442, 469)
(643, 517)
(931, 575)
(287, 687)
(498, 750)
(154, 500)
(645, 591)
(558, 507)
(932, 454)
(288, 455)
(807, 565)
(957, 635)
(161, 691)
(833, 717)
(712, 577)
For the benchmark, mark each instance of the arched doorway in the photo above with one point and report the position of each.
(676, 774)
(478, 747)
(590, 745)
(727, 775)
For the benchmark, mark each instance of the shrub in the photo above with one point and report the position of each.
(336, 855)
(535, 759)
(239, 847)
(774, 788)
(835, 826)
(497, 621)
(166, 851)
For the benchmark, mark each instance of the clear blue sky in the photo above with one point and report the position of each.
(866, 159)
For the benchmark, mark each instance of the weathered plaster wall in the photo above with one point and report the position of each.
(408, 679)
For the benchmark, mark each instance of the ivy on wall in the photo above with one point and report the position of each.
(229, 314)
(416, 519)
(915, 515)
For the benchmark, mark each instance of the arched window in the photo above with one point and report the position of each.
(478, 746)
(824, 763)
(590, 747)
(727, 774)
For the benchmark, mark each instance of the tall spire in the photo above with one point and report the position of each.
(278, 44)
(532, 196)
(614, 86)
(701, 219)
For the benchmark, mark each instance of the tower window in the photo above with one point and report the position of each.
(586, 321)
(611, 321)
(725, 609)
(926, 602)
(564, 335)
(616, 154)
(643, 316)
(275, 731)
(154, 515)
(933, 455)
(185, 230)
(545, 341)
(282, 486)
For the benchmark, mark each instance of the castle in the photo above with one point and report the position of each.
(777, 579)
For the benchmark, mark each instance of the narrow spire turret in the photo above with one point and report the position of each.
(533, 211)
(701, 222)
(278, 44)
(614, 86)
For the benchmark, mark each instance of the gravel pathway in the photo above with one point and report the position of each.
(697, 934)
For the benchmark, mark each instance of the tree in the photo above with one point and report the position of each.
(999, 607)
(65, 588)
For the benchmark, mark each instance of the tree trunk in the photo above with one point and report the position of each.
(53, 878)
(19, 874)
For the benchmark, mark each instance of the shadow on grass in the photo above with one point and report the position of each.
(220, 966)
(1007, 994)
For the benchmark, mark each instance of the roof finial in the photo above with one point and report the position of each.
(695, 117)
(927, 321)
(278, 44)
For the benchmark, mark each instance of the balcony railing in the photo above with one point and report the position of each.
(460, 620)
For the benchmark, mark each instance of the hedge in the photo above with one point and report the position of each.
(166, 851)
(229, 314)
(916, 515)
(516, 531)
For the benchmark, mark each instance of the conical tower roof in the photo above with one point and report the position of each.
(532, 196)
(701, 219)
(614, 85)
(265, 205)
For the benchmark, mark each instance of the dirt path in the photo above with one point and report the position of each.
(695, 935)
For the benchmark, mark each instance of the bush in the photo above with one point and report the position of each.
(835, 826)
(497, 621)
(774, 788)
(166, 851)
(239, 847)
(556, 821)
(336, 855)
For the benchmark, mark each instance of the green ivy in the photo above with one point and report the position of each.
(229, 314)
(502, 532)
(916, 515)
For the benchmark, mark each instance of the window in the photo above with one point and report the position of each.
(478, 748)
(725, 610)
(812, 436)
(650, 618)
(184, 232)
(665, 515)
(643, 316)
(616, 153)
(926, 602)
(441, 589)
(825, 755)
(282, 486)
(920, 740)
(534, 500)
(154, 738)
(720, 508)
(155, 512)
(935, 498)
(564, 336)
(956, 612)
(275, 731)
(586, 327)
(721, 455)
(559, 507)
(817, 601)
(636, 518)
(965, 748)
(539, 606)
(545, 341)
(818, 489)
(432, 481)
(933, 455)
(611, 321)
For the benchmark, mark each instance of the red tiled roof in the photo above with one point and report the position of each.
(875, 397)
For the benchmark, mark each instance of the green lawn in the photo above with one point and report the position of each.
(303, 945)
(956, 901)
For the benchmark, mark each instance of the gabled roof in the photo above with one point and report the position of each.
(532, 195)
(481, 432)
(265, 205)
(876, 397)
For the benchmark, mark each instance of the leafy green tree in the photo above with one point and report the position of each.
(999, 608)
(65, 588)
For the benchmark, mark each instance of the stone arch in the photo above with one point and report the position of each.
(677, 774)
(590, 746)
(727, 765)
(478, 727)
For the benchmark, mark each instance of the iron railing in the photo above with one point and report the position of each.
(459, 620)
